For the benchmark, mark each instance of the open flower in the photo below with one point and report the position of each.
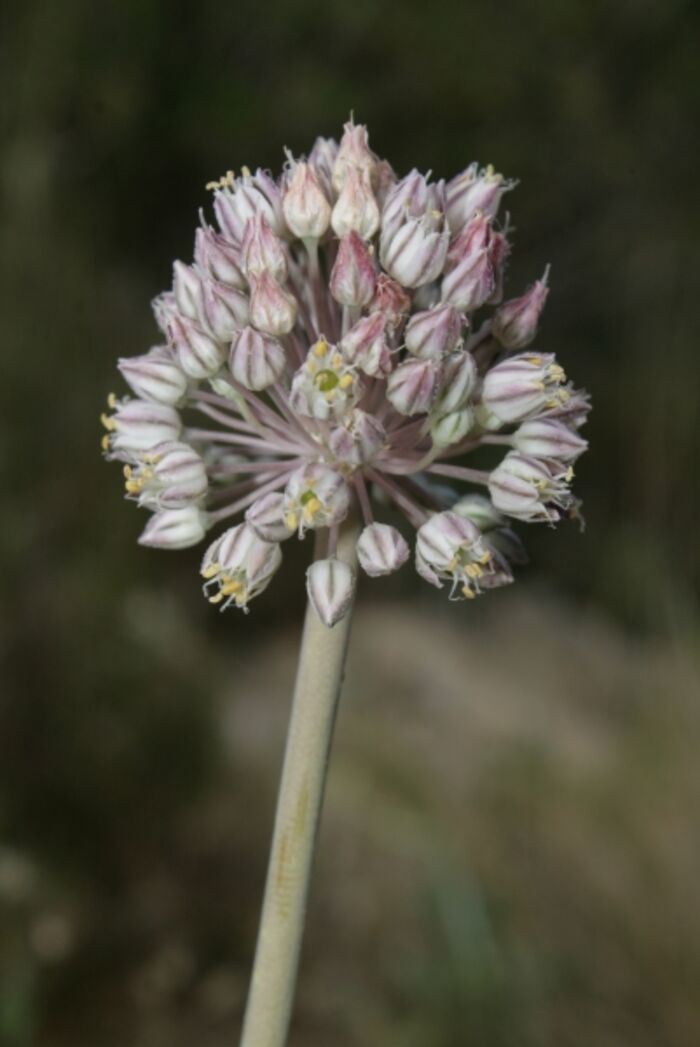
(321, 361)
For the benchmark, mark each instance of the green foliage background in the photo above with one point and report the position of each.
(116, 676)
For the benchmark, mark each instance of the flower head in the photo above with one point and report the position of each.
(321, 359)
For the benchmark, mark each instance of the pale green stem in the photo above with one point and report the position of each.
(318, 683)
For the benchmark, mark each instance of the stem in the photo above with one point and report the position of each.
(319, 678)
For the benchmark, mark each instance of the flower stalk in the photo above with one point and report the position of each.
(314, 705)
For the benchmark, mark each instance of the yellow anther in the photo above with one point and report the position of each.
(435, 214)
(473, 570)
(291, 521)
(134, 486)
(563, 395)
(346, 381)
(312, 507)
(210, 570)
(469, 593)
(225, 182)
(336, 360)
(152, 458)
(321, 347)
(569, 474)
(127, 470)
(112, 402)
(540, 386)
(231, 587)
(485, 557)
(104, 442)
(108, 422)
(330, 395)
(245, 171)
(556, 373)
(536, 361)
(216, 598)
(453, 564)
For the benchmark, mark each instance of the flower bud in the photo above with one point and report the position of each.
(175, 528)
(164, 309)
(358, 440)
(322, 157)
(450, 428)
(272, 309)
(434, 333)
(170, 476)
(330, 585)
(250, 194)
(315, 496)
(391, 300)
(354, 276)
(356, 209)
(262, 250)
(325, 385)
(480, 510)
(354, 154)
(238, 566)
(572, 407)
(217, 257)
(256, 361)
(474, 238)
(408, 198)
(450, 548)
(266, 517)
(523, 385)
(199, 355)
(515, 323)
(529, 489)
(474, 190)
(470, 283)
(412, 386)
(499, 250)
(548, 438)
(365, 345)
(415, 255)
(381, 550)
(138, 425)
(306, 207)
(457, 381)
(155, 376)
(187, 289)
(223, 310)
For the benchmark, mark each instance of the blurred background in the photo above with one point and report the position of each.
(510, 852)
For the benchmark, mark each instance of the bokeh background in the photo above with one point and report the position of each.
(510, 853)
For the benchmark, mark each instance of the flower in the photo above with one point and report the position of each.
(319, 360)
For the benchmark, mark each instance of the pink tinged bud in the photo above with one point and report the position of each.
(224, 310)
(169, 476)
(199, 355)
(219, 258)
(306, 207)
(415, 255)
(263, 251)
(358, 440)
(523, 385)
(354, 154)
(238, 566)
(155, 377)
(480, 510)
(175, 528)
(470, 283)
(548, 438)
(412, 386)
(365, 345)
(272, 309)
(256, 361)
(383, 182)
(266, 517)
(474, 238)
(322, 159)
(391, 300)
(187, 289)
(458, 379)
(408, 198)
(381, 550)
(434, 333)
(515, 323)
(529, 489)
(450, 428)
(451, 548)
(330, 585)
(164, 309)
(356, 209)
(354, 277)
(251, 194)
(474, 190)
(315, 496)
(499, 251)
(138, 425)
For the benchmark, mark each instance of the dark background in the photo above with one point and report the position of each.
(510, 851)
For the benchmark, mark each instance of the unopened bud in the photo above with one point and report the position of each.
(330, 585)
(356, 209)
(412, 386)
(175, 528)
(450, 428)
(515, 322)
(266, 517)
(256, 360)
(322, 157)
(354, 276)
(366, 346)
(354, 154)
(306, 207)
(391, 299)
(474, 190)
(480, 510)
(187, 289)
(458, 379)
(523, 385)
(548, 438)
(415, 255)
(358, 440)
(434, 333)
(381, 549)
(470, 283)
(272, 309)
(199, 355)
(223, 310)
(219, 258)
(155, 376)
(138, 425)
(263, 251)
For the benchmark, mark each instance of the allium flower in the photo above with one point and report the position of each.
(325, 335)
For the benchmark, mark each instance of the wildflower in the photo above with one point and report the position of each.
(319, 363)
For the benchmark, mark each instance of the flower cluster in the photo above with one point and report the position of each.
(321, 356)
